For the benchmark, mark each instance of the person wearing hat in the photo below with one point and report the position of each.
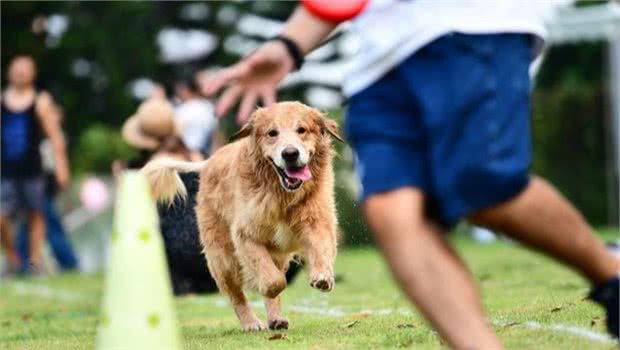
(152, 130)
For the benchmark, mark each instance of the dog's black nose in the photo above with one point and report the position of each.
(290, 154)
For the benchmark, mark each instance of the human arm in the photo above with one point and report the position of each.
(307, 30)
(49, 117)
(258, 75)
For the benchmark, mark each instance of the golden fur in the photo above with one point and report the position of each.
(250, 225)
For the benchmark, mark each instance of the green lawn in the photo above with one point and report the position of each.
(531, 301)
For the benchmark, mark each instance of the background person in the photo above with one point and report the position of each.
(28, 116)
(194, 117)
(439, 119)
(152, 131)
(55, 232)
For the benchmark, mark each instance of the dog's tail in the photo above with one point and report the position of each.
(162, 175)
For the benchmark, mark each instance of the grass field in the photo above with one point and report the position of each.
(533, 304)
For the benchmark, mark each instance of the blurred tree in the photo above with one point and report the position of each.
(569, 128)
(87, 67)
(107, 45)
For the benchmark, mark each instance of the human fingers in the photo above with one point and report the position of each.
(268, 95)
(228, 99)
(247, 104)
(225, 76)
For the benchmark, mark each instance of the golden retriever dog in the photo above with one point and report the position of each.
(264, 199)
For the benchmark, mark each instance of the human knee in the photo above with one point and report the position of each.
(388, 213)
(492, 217)
(4, 223)
(385, 205)
(500, 214)
(36, 217)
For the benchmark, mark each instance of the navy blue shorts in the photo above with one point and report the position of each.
(452, 120)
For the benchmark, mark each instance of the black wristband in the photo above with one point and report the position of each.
(293, 50)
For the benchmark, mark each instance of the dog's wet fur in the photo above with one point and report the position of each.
(264, 199)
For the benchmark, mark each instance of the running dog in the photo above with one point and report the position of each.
(264, 199)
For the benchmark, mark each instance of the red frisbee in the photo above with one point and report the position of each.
(335, 10)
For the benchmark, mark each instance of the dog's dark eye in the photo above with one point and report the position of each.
(273, 133)
(301, 130)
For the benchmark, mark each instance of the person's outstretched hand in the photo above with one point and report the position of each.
(256, 76)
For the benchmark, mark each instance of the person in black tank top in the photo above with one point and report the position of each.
(27, 117)
(21, 137)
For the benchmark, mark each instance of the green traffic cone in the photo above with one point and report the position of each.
(138, 311)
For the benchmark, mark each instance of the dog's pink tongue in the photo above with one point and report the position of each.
(302, 173)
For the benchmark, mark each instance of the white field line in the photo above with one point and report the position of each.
(572, 330)
(39, 290)
(339, 312)
(43, 291)
(304, 308)
(334, 312)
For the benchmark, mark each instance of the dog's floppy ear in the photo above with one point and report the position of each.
(330, 126)
(245, 130)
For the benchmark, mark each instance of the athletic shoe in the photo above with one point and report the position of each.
(607, 295)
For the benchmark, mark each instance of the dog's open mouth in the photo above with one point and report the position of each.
(291, 178)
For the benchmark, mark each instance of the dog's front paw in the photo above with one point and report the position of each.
(279, 323)
(253, 326)
(323, 282)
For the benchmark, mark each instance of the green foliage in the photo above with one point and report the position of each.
(118, 40)
(350, 217)
(98, 147)
(570, 128)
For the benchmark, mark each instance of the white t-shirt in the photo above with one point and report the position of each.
(389, 31)
(196, 121)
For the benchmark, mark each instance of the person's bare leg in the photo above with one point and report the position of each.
(36, 224)
(541, 218)
(6, 240)
(427, 270)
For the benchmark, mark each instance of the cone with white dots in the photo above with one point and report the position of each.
(138, 311)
